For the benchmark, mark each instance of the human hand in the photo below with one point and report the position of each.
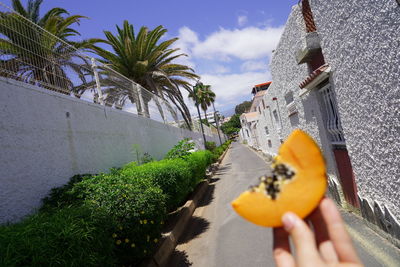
(329, 245)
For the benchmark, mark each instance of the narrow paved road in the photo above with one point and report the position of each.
(218, 237)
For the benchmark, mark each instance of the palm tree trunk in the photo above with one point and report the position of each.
(217, 123)
(201, 125)
(205, 117)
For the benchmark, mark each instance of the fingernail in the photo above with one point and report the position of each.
(289, 221)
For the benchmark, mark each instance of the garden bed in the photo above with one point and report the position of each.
(109, 219)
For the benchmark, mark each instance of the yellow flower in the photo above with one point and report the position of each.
(142, 212)
(132, 245)
(126, 240)
(120, 228)
(155, 240)
(140, 222)
(161, 222)
(114, 235)
(144, 221)
(124, 195)
(152, 222)
(148, 238)
(145, 251)
(118, 242)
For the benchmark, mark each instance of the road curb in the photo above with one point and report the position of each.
(169, 240)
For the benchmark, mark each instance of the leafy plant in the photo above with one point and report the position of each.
(137, 151)
(232, 126)
(181, 150)
(146, 158)
(173, 176)
(198, 163)
(140, 157)
(210, 145)
(62, 196)
(135, 205)
(71, 236)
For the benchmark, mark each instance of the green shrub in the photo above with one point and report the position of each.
(62, 196)
(181, 150)
(172, 176)
(67, 237)
(107, 219)
(198, 162)
(146, 158)
(210, 145)
(136, 206)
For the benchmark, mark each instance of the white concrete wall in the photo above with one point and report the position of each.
(361, 42)
(46, 137)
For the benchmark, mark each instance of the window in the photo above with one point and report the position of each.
(290, 105)
(269, 143)
(333, 124)
(276, 117)
(294, 120)
(263, 104)
(259, 110)
(247, 131)
(289, 98)
(266, 130)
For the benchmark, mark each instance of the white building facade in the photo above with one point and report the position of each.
(336, 75)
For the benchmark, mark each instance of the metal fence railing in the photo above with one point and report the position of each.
(31, 54)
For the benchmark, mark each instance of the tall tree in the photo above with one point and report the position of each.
(243, 107)
(34, 55)
(206, 97)
(143, 58)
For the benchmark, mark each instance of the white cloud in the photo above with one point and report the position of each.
(246, 49)
(246, 44)
(229, 87)
(253, 65)
(187, 39)
(221, 69)
(242, 20)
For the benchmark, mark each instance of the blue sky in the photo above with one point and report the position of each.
(229, 43)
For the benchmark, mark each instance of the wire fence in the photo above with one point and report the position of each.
(30, 54)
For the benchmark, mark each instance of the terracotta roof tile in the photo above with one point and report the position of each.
(308, 16)
(262, 84)
(313, 75)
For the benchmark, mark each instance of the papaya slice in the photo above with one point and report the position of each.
(297, 184)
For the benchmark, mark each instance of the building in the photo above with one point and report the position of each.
(335, 74)
(210, 117)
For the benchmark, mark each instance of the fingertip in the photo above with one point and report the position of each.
(289, 220)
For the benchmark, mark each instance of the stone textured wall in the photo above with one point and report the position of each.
(46, 137)
(286, 77)
(361, 42)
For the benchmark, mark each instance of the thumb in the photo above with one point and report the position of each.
(302, 236)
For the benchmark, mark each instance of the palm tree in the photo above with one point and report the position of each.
(194, 95)
(205, 98)
(144, 59)
(34, 55)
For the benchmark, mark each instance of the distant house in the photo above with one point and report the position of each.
(336, 75)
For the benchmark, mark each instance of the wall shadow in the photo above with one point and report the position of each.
(209, 195)
(195, 227)
(179, 259)
(224, 169)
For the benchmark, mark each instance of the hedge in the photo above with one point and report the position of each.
(105, 219)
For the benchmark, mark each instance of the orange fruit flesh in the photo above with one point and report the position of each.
(300, 194)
